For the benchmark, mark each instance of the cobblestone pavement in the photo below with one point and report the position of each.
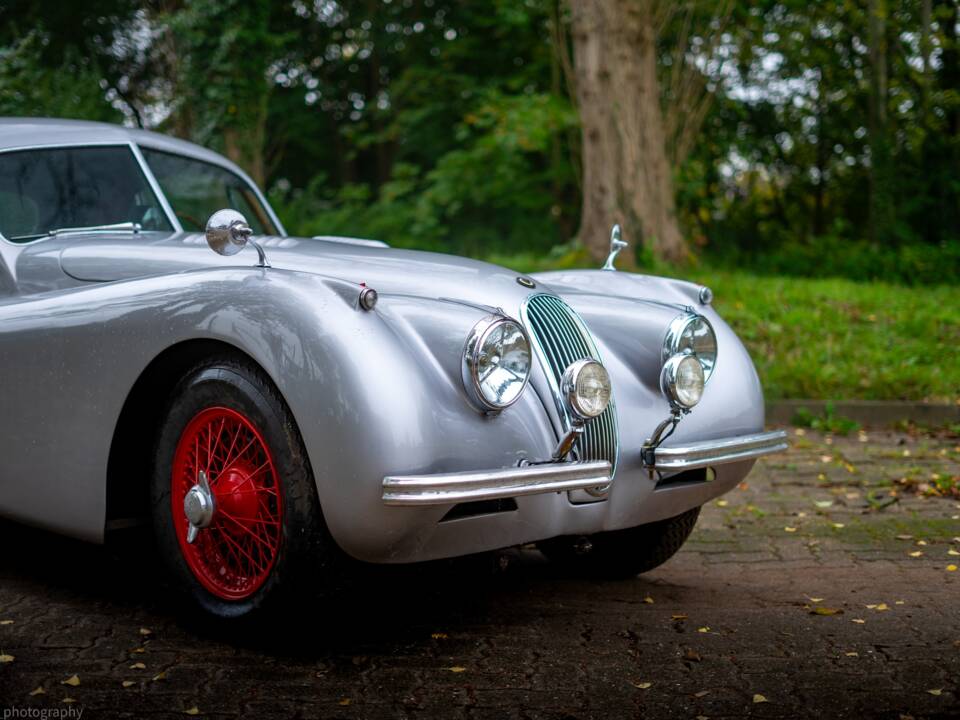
(821, 588)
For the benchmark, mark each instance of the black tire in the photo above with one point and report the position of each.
(307, 556)
(623, 553)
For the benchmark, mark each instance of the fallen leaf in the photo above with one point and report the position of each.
(68, 700)
(916, 553)
(160, 676)
(858, 621)
(648, 600)
(826, 458)
(870, 607)
(128, 683)
(921, 542)
(815, 600)
(72, 682)
(800, 432)
(139, 650)
(145, 632)
(882, 606)
(192, 711)
(457, 669)
(344, 702)
(439, 636)
(702, 693)
(6, 622)
(852, 654)
(704, 629)
(823, 503)
(801, 514)
(899, 602)
(138, 666)
(642, 685)
(826, 611)
(906, 453)
(951, 551)
(951, 568)
(678, 617)
(821, 477)
(904, 537)
(38, 691)
(839, 526)
(936, 692)
(6, 658)
(759, 698)
(790, 529)
(722, 503)
(692, 655)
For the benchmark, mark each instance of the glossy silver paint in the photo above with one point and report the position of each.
(376, 394)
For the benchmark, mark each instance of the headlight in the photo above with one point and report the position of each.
(682, 380)
(586, 386)
(496, 363)
(692, 334)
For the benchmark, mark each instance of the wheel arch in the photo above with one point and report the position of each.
(135, 432)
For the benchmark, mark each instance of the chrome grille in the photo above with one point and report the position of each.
(560, 338)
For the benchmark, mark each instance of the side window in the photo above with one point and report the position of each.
(56, 188)
(197, 189)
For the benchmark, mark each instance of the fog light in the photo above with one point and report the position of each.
(682, 380)
(586, 387)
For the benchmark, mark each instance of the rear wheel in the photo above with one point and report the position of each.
(235, 508)
(623, 553)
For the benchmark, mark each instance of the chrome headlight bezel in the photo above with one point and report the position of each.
(679, 341)
(569, 388)
(670, 375)
(477, 339)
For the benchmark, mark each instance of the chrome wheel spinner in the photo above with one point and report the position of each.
(199, 507)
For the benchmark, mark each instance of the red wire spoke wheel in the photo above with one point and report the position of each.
(232, 556)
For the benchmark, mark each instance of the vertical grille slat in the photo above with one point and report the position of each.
(560, 338)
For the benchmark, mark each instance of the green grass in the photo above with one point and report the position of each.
(832, 338)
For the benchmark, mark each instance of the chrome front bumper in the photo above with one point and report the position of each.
(451, 488)
(715, 452)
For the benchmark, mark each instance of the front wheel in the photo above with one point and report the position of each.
(623, 553)
(235, 509)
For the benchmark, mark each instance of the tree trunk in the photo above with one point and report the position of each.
(881, 215)
(627, 177)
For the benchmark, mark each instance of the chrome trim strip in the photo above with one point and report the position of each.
(448, 488)
(718, 452)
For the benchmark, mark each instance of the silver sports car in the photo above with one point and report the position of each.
(277, 405)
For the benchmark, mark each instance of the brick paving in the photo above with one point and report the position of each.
(827, 527)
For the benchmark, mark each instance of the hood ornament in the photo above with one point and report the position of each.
(616, 245)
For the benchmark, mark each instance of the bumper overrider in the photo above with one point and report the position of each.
(459, 487)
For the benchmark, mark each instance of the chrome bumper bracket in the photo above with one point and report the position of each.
(715, 452)
(451, 488)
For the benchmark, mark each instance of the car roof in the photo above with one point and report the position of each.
(27, 132)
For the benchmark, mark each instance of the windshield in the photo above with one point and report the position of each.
(196, 190)
(51, 189)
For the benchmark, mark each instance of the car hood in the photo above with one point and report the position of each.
(388, 270)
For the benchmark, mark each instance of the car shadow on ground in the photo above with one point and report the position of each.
(382, 607)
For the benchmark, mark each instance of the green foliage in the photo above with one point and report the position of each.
(828, 422)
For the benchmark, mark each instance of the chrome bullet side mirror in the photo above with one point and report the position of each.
(228, 233)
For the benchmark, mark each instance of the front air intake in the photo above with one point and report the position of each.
(559, 338)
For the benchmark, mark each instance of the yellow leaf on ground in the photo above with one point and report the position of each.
(68, 700)
(759, 698)
(899, 602)
(145, 632)
(38, 691)
(6, 658)
(704, 629)
(139, 651)
(643, 685)
(882, 606)
(160, 676)
(839, 526)
(6, 622)
(936, 692)
(826, 458)
(951, 568)
(128, 683)
(852, 654)
(138, 666)
(345, 702)
(916, 553)
(439, 636)
(951, 551)
(722, 503)
(648, 600)
(858, 621)
(904, 537)
(678, 616)
(457, 669)
(702, 693)
(789, 529)
(826, 611)
(72, 682)
(192, 711)
(815, 600)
